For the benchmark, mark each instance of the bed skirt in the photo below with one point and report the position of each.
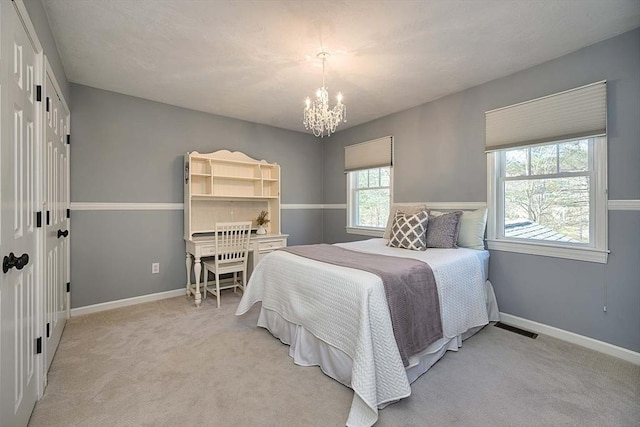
(307, 350)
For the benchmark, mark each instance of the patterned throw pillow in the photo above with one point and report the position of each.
(443, 230)
(399, 207)
(409, 231)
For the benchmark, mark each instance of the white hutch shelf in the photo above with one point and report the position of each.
(228, 186)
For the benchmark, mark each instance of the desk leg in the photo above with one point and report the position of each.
(188, 264)
(197, 269)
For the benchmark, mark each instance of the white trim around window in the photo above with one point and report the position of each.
(596, 251)
(351, 227)
(362, 231)
(549, 250)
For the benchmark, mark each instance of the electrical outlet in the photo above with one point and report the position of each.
(155, 268)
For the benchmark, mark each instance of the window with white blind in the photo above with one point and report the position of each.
(369, 171)
(547, 166)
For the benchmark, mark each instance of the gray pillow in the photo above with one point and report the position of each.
(409, 231)
(443, 230)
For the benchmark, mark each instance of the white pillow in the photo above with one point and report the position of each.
(472, 226)
(408, 209)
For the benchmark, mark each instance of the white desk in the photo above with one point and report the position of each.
(197, 248)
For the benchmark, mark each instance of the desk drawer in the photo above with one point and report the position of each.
(270, 245)
(207, 251)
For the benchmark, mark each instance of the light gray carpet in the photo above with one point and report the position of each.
(167, 363)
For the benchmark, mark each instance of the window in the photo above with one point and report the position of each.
(549, 197)
(368, 166)
(369, 199)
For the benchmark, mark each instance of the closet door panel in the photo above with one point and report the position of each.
(57, 228)
(18, 232)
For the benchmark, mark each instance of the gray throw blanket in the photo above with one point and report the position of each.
(410, 288)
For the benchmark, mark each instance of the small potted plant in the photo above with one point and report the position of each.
(262, 220)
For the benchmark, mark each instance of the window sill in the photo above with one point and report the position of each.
(372, 232)
(542, 249)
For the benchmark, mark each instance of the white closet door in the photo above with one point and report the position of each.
(18, 232)
(56, 261)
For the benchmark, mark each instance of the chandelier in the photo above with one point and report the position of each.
(317, 115)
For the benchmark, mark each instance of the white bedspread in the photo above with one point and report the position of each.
(347, 309)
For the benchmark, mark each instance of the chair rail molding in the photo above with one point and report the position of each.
(612, 205)
(120, 206)
(154, 206)
(623, 205)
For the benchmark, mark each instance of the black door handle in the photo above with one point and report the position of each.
(64, 233)
(10, 261)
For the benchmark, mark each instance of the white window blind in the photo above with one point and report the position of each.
(572, 114)
(370, 154)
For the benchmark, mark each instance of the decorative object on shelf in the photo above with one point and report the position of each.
(317, 115)
(262, 220)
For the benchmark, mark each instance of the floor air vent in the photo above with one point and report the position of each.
(516, 330)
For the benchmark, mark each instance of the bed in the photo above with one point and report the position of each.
(338, 318)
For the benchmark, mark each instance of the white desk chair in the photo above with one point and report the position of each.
(232, 248)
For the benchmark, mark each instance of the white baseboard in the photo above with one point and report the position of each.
(581, 340)
(87, 309)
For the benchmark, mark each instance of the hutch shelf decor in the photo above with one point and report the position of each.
(227, 186)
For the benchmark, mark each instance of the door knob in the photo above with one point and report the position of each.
(10, 261)
(64, 233)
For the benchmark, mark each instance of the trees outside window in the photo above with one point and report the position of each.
(550, 199)
(369, 197)
(549, 185)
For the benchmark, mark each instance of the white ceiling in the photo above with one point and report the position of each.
(256, 60)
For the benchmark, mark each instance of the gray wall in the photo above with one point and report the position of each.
(127, 149)
(439, 157)
(41, 24)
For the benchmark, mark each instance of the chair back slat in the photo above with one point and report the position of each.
(232, 241)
